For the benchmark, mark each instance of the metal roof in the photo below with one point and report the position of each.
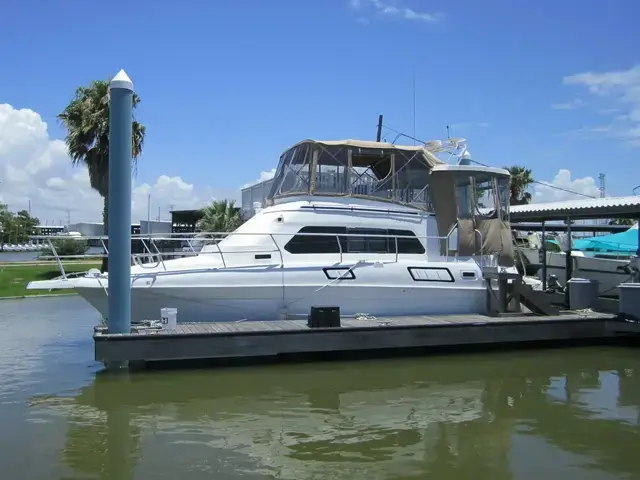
(592, 208)
(562, 227)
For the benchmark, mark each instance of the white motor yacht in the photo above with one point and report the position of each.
(373, 228)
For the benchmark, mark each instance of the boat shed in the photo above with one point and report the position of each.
(185, 221)
(562, 227)
(584, 209)
(570, 210)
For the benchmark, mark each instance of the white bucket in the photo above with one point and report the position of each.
(169, 318)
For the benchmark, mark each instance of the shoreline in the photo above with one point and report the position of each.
(46, 263)
(38, 295)
(15, 276)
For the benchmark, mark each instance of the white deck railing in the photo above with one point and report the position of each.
(156, 248)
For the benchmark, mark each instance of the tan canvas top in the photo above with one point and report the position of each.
(430, 157)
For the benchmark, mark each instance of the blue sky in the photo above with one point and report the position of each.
(227, 86)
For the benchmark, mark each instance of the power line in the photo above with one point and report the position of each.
(485, 165)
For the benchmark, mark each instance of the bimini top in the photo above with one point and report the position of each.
(364, 144)
(376, 170)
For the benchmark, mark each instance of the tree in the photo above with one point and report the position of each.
(220, 216)
(16, 227)
(521, 179)
(70, 246)
(621, 221)
(86, 120)
(25, 224)
(6, 223)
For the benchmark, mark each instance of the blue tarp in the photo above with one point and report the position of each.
(626, 242)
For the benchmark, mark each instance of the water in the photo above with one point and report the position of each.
(18, 256)
(556, 414)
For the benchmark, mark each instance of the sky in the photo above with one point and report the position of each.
(226, 87)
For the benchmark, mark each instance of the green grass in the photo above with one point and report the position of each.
(14, 279)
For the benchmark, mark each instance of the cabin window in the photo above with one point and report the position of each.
(368, 243)
(315, 243)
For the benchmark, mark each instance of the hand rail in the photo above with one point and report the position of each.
(206, 237)
(58, 260)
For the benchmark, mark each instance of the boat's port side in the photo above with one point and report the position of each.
(394, 288)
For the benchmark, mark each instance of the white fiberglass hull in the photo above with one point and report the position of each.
(209, 304)
(269, 293)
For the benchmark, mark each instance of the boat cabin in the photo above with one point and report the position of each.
(473, 200)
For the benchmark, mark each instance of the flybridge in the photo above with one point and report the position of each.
(355, 168)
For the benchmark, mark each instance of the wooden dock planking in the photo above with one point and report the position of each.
(190, 341)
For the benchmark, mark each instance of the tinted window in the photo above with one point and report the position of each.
(315, 243)
(365, 244)
(406, 245)
(368, 244)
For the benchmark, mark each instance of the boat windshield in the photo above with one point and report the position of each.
(354, 168)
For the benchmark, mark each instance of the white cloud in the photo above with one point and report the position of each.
(620, 90)
(389, 8)
(583, 187)
(469, 125)
(36, 168)
(572, 105)
(266, 175)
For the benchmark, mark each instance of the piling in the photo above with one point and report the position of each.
(119, 204)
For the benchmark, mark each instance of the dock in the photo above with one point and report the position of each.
(374, 335)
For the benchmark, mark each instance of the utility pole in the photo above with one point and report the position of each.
(149, 214)
(379, 134)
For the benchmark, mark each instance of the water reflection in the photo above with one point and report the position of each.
(571, 414)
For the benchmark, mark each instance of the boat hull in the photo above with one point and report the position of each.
(220, 304)
(274, 293)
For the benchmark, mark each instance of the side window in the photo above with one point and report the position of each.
(368, 243)
(301, 244)
(406, 245)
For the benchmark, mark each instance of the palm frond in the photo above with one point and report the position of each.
(86, 120)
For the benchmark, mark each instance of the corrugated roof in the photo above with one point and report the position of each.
(583, 208)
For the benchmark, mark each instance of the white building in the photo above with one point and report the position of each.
(96, 229)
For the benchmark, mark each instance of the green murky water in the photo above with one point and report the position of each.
(565, 414)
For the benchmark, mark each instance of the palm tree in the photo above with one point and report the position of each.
(220, 216)
(521, 179)
(86, 120)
